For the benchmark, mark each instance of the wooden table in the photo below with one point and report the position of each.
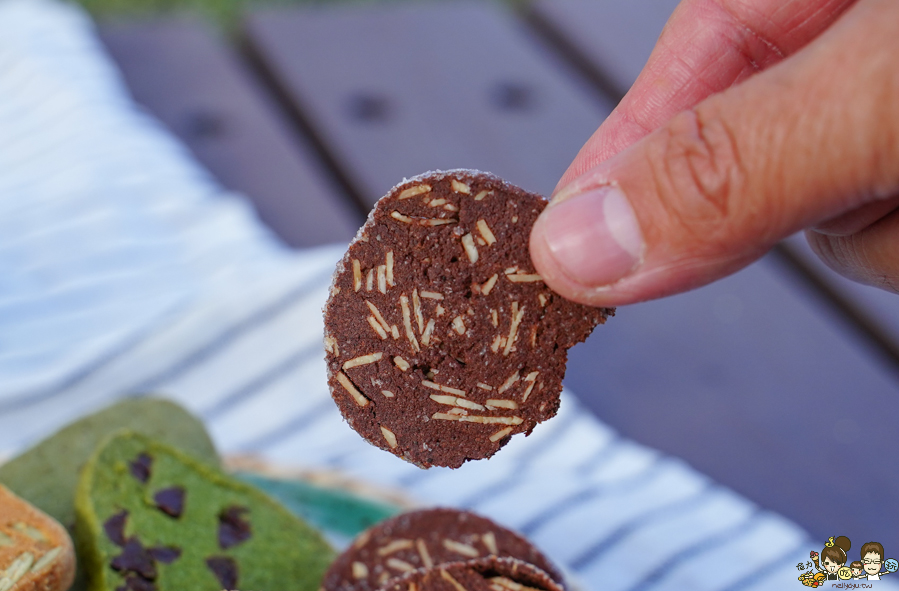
(780, 381)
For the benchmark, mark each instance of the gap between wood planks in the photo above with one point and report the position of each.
(281, 95)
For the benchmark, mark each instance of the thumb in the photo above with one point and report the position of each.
(803, 142)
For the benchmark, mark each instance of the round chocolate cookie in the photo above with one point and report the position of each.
(486, 574)
(423, 539)
(442, 341)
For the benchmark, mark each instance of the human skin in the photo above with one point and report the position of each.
(752, 120)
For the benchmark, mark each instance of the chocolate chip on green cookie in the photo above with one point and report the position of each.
(225, 570)
(140, 467)
(115, 528)
(134, 558)
(233, 528)
(165, 554)
(174, 541)
(170, 501)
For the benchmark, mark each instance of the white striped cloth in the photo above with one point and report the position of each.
(125, 269)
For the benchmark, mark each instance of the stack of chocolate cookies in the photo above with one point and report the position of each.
(441, 550)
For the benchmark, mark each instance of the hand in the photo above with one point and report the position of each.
(753, 119)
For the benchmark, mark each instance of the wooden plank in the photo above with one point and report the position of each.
(424, 87)
(750, 381)
(611, 39)
(758, 380)
(876, 311)
(193, 83)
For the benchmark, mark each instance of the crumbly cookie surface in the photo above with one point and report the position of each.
(442, 341)
(424, 539)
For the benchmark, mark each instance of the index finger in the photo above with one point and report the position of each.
(706, 47)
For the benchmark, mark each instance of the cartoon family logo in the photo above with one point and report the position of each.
(832, 566)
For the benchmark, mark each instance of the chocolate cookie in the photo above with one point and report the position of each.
(423, 539)
(487, 574)
(442, 341)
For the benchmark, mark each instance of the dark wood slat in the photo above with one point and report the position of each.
(394, 91)
(757, 380)
(876, 310)
(192, 82)
(612, 39)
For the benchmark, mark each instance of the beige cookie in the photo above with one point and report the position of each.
(36, 553)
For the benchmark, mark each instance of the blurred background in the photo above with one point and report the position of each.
(225, 14)
(779, 382)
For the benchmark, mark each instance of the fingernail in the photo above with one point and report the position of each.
(594, 237)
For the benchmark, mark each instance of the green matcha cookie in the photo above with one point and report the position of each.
(150, 518)
(46, 475)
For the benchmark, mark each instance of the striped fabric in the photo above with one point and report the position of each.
(125, 269)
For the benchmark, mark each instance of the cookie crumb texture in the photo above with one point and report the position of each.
(442, 340)
(36, 553)
(150, 518)
(425, 539)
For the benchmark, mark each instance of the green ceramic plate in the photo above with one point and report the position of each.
(341, 515)
(341, 508)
